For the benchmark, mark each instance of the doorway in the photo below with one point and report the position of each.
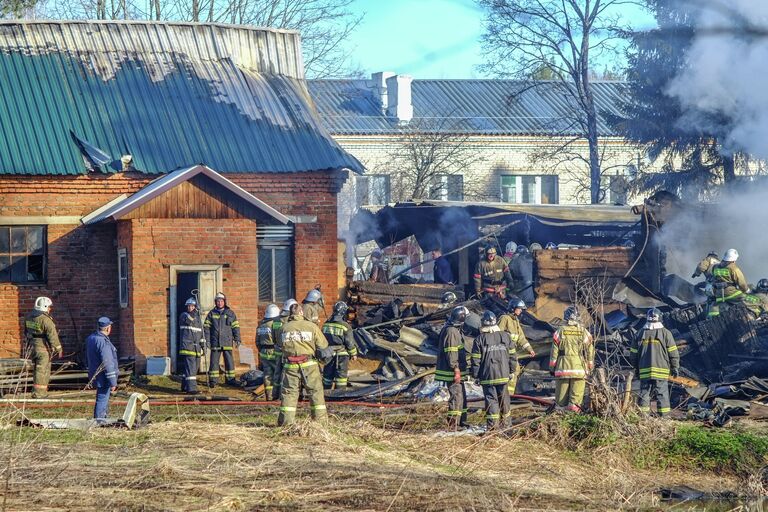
(198, 281)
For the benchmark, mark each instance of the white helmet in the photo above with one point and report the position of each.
(191, 301)
(510, 248)
(43, 304)
(287, 305)
(220, 296)
(731, 255)
(314, 295)
(271, 312)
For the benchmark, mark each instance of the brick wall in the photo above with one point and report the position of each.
(82, 261)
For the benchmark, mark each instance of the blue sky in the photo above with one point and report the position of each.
(423, 38)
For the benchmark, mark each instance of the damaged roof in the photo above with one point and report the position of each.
(78, 95)
(483, 107)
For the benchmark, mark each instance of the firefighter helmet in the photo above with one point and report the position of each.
(191, 301)
(490, 250)
(521, 249)
(514, 303)
(511, 248)
(571, 313)
(272, 312)
(731, 255)
(550, 246)
(287, 305)
(448, 298)
(653, 315)
(458, 315)
(762, 285)
(43, 304)
(488, 318)
(313, 295)
(535, 246)
(340, 308)
(220, 296)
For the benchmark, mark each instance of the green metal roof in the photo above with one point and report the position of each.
(76, 96)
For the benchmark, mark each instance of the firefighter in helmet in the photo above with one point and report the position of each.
(510, 323)
(571, 360)
(190, 345)
(269, 357)
(312, 305)
(222, 331)
(338, 333)
(42, 343)
(655, 358)
(452, 365)
(494, 360)
(492, 275)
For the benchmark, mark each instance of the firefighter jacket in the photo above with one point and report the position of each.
(491, 274)
(267, 335)
(300, 342)
(312, 312)
(191, 334)
(451, 353)
(338, 333)
(655, 352)
(494, 358)
(731, 281)
(705, 267)
(511, 324)
(222, 328)
(573, 352)
(102, 360)
(40, 326)
(521, 270)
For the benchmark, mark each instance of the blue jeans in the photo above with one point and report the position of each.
(102, 402)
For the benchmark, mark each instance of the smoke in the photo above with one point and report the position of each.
(726, 73)
(736, 221)
(363, 227)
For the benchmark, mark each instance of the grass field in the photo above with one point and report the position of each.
(236, 458)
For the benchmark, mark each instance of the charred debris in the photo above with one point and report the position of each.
(609, 260)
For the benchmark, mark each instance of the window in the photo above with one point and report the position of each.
(447, 187)
(122, 276)
(373, 189)
(22, 254)
(275, 247)
(614, 189)
(529, 189)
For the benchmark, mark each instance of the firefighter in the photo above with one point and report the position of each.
(301, 343)
(442, 272)
(509, 251)
(571, 359)
(312, 305)
(492, 275)
(655, 358)
(190, 346)
(447, 299)
(494, 360)
(221, 330)
(452, 366)
(338, 333)
(728, 280)
(284, 312)
(521, 270)
(42, 343)
(269, 357)
(706, 266)
(510, 323)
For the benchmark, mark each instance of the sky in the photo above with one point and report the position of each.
(422, 38)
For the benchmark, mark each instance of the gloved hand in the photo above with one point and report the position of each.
(353, 358)
(476, 381)
(675, 372)
(238, 343)
(532, 353)
(456, 375)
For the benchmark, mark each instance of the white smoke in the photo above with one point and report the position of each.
(737, 220)
(727, 72)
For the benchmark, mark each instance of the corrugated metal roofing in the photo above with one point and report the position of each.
(483, 107)
(172, 95)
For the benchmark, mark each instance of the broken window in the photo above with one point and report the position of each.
(373, 189)
(529, 189)
(22, 254)
(275, 245)
(447, 187)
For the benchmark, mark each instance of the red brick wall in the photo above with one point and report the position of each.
(82, 261)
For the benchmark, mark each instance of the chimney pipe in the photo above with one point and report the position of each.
(380, 88)
(399, 104)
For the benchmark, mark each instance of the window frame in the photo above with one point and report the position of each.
(443, 192)
(364, 191)
(26, 254)
(538, 188)
(273, 243)
(122, 253)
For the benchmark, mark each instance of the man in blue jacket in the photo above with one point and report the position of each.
(442, 270)
(102, 366)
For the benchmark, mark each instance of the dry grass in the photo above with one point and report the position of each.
(359, 461)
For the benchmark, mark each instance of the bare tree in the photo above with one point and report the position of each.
(325, 25)
(563, 37)
(430, 160)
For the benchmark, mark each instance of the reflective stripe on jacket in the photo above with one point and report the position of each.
(655, 352)
(39, 325)
(338, 333)
(511, 324)
(222, 328)
(494, 356)
(451, 353)
(573, 352)
(191, 333)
